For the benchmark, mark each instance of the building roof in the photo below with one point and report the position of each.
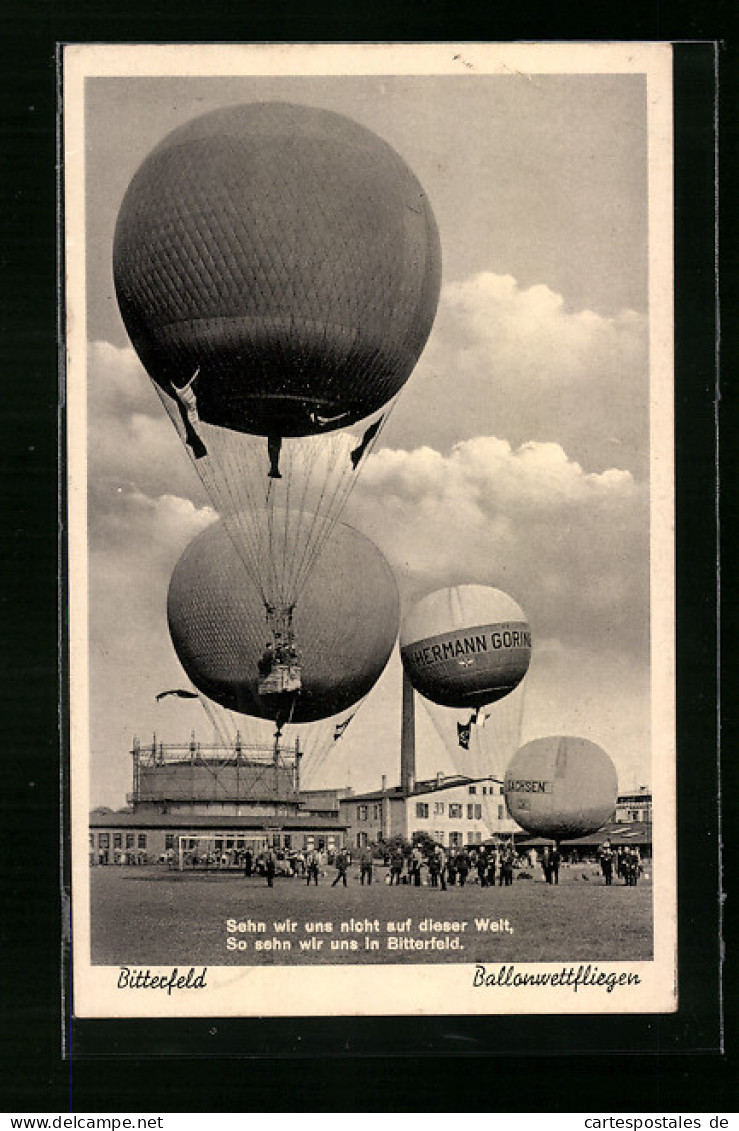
(127, 819)
(536, 842)
(620, 833)
(430, 785)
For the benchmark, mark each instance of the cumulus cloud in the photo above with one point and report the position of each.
(132, 446)
(519, 363)
(569, 545)
(131, 657)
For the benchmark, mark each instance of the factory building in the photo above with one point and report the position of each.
(231, 798)
(635, 806)
(452, 811)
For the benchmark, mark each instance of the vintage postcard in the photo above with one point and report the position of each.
(369, 394)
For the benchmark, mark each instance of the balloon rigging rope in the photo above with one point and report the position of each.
(279, 562)
(215, 722)
(338, 495)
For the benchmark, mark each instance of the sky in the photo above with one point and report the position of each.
(517, 455)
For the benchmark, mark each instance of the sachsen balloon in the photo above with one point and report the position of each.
(561, 787)
(346, 625)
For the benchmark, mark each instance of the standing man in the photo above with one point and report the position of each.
(433, 866)
(492, 862)
(311, 866)
(396, 865)
(546, 865)
(270, 867)
(506, 867)
(606, 862)
(555, 860)
(365, 865)
(440, 855)
(342, 864)
(632, 867)
(416, 858)
(482, 868)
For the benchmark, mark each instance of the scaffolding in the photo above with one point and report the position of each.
(195, 771)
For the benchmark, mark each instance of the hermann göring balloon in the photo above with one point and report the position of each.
(466, 646)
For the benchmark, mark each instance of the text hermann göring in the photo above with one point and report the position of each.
(352, 935)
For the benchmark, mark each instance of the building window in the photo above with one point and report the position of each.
(455, 840)
(501, 790)
(455, 810)
(129, 840)
(500, 812)
(633, 814)
(117, 840)
(142, 840)
(422, 809)
(103, 840)
(470, 812)
(484, 790)
(478, 812)
(92, 840)
(168, 841)
(472, 790)
(377, 812)
(439, 836)
(438, 808)
(361, 840)
(288, 840)
(361, 812)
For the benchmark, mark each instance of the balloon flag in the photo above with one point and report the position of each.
(466, 650)
(346, 623)
(277, 268)
(561, 787)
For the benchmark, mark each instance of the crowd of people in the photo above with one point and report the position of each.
(435, 867)
(414, 865)
(624, 861)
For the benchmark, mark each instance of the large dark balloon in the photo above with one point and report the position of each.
(465, 646)
(346, 624)
(561, 787)
(286, 252)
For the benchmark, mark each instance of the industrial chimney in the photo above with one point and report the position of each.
(407, 739)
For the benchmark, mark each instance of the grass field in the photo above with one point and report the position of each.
(151, 916)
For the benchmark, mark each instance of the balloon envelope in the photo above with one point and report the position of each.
(561, 787)
(286, 253)
(465, 646)
(345, 624)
